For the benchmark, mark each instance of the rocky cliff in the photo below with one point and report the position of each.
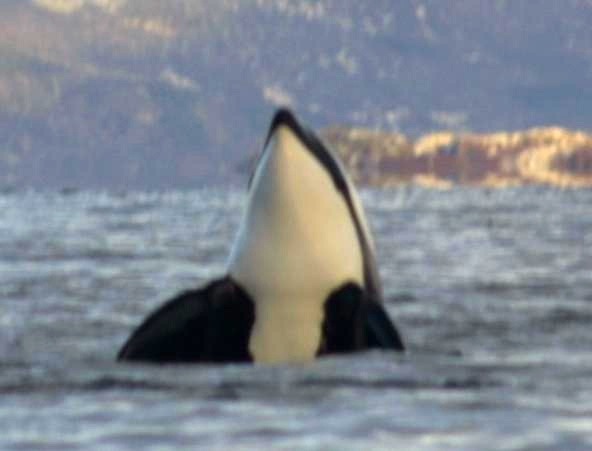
(547, 156)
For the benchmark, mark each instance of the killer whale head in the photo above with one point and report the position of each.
(303, 235)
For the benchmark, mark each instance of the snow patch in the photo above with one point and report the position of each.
(278, 96)
(178, 81)
(347, 61)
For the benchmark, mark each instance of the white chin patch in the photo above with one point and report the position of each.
(296, 244)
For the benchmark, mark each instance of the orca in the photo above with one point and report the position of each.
(301, 278)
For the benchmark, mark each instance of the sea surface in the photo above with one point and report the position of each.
(491, 289)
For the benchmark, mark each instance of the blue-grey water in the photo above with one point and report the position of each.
(492, 291)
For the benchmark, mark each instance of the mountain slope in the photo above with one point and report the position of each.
(116, 93)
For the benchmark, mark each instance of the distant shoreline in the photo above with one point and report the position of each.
(551, 156)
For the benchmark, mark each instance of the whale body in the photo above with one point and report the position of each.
(301, 279)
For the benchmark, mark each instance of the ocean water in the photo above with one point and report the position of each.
(492, 291)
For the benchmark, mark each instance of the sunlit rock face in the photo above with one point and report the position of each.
(547, 156)
(70, 6)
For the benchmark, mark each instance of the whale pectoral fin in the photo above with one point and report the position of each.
(343, 328)
(354, 322)
(380, 330)
(210, 324)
